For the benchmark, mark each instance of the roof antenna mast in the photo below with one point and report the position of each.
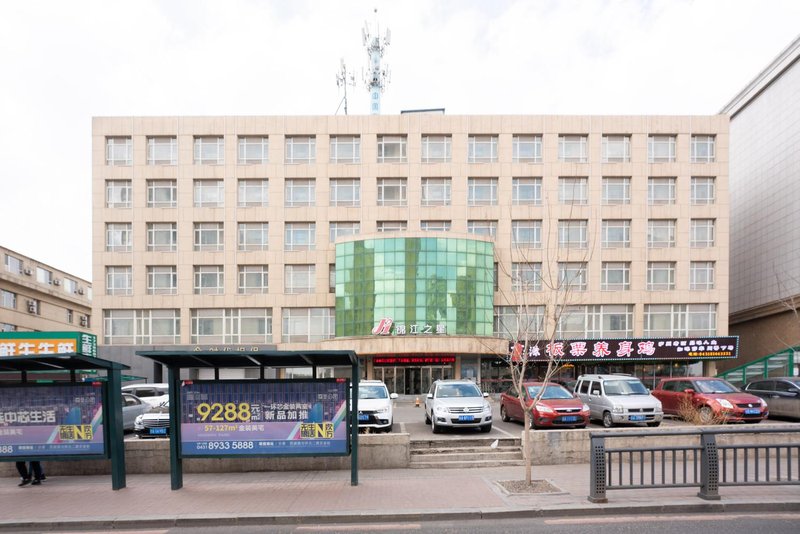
(376, 78)
(343, 79)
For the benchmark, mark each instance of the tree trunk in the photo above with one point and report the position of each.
(527, 452)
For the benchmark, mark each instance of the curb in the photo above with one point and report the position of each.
(122, 523)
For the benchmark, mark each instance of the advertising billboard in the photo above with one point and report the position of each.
(51, 420)
(269, 417)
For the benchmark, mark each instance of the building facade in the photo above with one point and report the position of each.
(765, 217)
(35, 297)
(414, 240)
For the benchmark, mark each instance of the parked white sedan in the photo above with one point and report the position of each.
(132, 407)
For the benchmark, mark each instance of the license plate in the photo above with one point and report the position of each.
(466, 418)
(637, 417)
(569, 418)
(752, 411)
(159, 430)
(363, 417)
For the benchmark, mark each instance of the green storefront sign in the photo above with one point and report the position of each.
(38, 343)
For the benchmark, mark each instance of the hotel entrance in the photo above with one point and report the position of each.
(411, 375)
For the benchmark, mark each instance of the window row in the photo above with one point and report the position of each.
(42, 275)
(526, 148)
(608, 320)
(11, 301)
(301, 192)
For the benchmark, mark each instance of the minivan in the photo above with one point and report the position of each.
(618, 399)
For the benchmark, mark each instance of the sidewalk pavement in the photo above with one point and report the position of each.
(73, 502)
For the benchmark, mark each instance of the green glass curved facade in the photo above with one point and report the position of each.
(425, 285)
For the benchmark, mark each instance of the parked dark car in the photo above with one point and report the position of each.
(782, 395)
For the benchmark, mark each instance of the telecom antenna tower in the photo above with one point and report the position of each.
(376, 78)
(344, 78)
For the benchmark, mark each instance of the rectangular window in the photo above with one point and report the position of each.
(253, 150)
(484, 228)
(526, 276)
(616, 233)
(299, 279)
(118, 193)
(392, 226)
(703, 149)
(253, 236)
(119, 280)
(299, 192)
(345, 192)
(331, 278)
(339, 229)
(702, 233)
(572, 276)
(615, 276)
(345, 149)
(44, 276)
(70, 286)
(701, 319)
(232, 326)
(526, 191)
(573, 190)
(301, 149)
(616, 190)
(162, 193)
(660, 233)
(482, 191)
(436, 148)
(661, 148)
(660, 191)
(573, 148)
(119, 151)
(436, 191)
(162, 150)
(8, 299)
(704, 190)
(526, 148)
(308, 325)
(144, 327)
(162, 237)
(209, 279)
(253, 193)
(482, 149)
(680, 320)
(435, 226)
(253, 279)
(209, 194)
(701, 275)
(660, 276)
(13, 264)
(209, 150)
(392, 192)
(616, 148)
(572, 233)
(209, 236)
(597, 321)
(162, 280)
(519, 322)
(526, 234)
(118, 237)
(392, 149)
(299, 236)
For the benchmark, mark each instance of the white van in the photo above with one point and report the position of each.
(618, 399)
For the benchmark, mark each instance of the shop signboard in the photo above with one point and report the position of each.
(264, 417)
(44, 343)
(627, 349)
(51, 420)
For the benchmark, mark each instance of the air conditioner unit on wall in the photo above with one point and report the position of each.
(56, 282)
(28, 271)
(31, 306)
(84, 320)
(80, 291)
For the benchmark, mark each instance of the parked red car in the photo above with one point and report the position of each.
(556, 408)
(715, 398)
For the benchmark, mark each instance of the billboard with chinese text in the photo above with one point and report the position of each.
(42, 343)
(270, 417)
(51, 420)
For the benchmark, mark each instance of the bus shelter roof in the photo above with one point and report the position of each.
(251, 358)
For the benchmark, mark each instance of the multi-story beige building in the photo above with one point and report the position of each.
(35, 297)
(413, 239)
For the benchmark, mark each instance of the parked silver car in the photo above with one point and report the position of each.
(781, 393)
(152, 394)
(153, 424)
(132, 407)
(618, 399)
(457, 404)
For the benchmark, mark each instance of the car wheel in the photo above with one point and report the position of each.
(486, 428)
(504, 414)
(654, 424)
(608, 422)
(434, 427)
(427, 419)
(706, 415)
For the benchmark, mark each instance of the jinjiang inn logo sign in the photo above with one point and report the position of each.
(385, 328)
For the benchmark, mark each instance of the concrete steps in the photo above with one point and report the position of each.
(465, 454)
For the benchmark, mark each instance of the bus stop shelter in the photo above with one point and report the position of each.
(218, 359)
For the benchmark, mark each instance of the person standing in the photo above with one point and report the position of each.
(26, 474)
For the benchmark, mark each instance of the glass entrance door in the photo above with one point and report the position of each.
(411, 380)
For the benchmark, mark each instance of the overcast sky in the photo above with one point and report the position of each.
(63, 62)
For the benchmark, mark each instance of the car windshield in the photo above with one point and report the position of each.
(372, 392)
(550, 392)
(714, 386)
(458, 390)
(624, 387)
